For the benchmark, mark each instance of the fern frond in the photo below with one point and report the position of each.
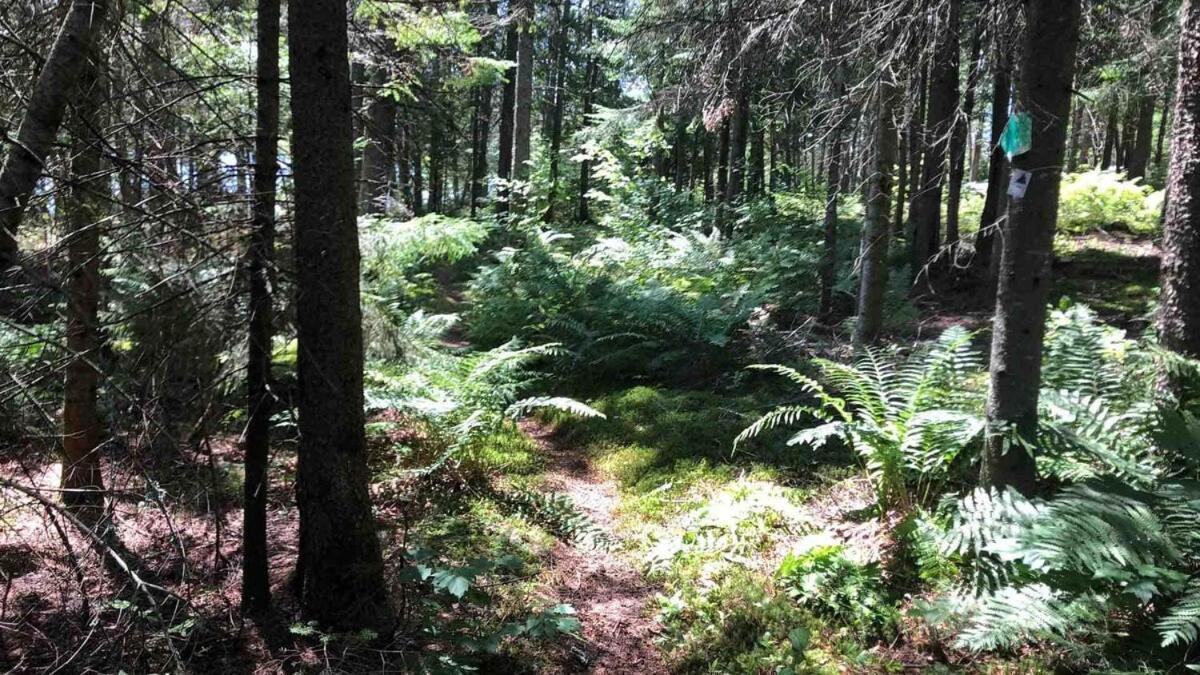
(570, 405)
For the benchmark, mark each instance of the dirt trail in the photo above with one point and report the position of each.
(606, 589)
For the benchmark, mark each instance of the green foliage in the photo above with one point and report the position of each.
(1103, 200)
(618, 314)
(830, 585)
(1088, 202)
(907, 419)
(1107, 553)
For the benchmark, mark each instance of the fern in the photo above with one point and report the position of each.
(907, 418)
(1181, 623)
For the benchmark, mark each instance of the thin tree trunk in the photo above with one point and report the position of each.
(479, 148)
(1111, 138)
(1074, 138)
(404, 167)
(1044, 90)
(256, 588)
(379, 153)
(706, 166)
(917, 142)
(723, 162)
(1179, 304)
(829, 251)
(943, 106)
(43, 117)
(417, 151)
(985, 262)
(340, 566)
(738, 134)
(1162, 133)
(1139, 155)
(873, 279)
(958, 144)
(560, 104)
(508, 98)
(82, 479)
(757, 169)
(585, 166)
(524, 96)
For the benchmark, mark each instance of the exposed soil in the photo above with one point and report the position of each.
(606, 589)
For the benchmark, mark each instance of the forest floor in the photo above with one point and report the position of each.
(607, 591)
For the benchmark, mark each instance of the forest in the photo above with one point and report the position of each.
(600, 336)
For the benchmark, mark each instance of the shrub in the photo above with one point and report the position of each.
(1103, 200)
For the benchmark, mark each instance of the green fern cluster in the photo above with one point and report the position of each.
(908, 418)
(1115, 548)
(664, 304)
(462, 396)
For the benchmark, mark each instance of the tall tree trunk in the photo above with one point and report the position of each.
(917, 142)
(508, 98)
(585, 166)
(82, 480)
(1044, 90)
(1073, 140)
(437, 141)
(958, 143)
(833, 186)
(757, 169)
(378, 155)
(1179, 305)
(43, 117)
(340, 567)
(479, 148)
(679, 154)
(1162, 133)
(560, 104)
(706, 162)
(404, 167)
(943, 107)
(1139, 153)
(739, 130)
(523, 108)
(901, 182)
(985, 262)
(417, 157)
(723, 161)
(1111, 138)
(873, 279)
(256, 588)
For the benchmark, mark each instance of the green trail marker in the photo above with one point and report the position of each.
(1017, 136)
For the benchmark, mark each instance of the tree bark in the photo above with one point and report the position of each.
(958, 144)
(82, 479)
(985, 262)
(943, 106)
(479, 149)
(340, 567)
(1044, 90)
(256, 588)
(585, 166)
(43, 117)
(1111, 138)
(560, 104)
(739, 130)
(1160, 138)
(523, 108)
(757, 158)
(873, 279)
(1179, 304)
(829, 251)
(379, 154)
(1139, 153)
(507, 104)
